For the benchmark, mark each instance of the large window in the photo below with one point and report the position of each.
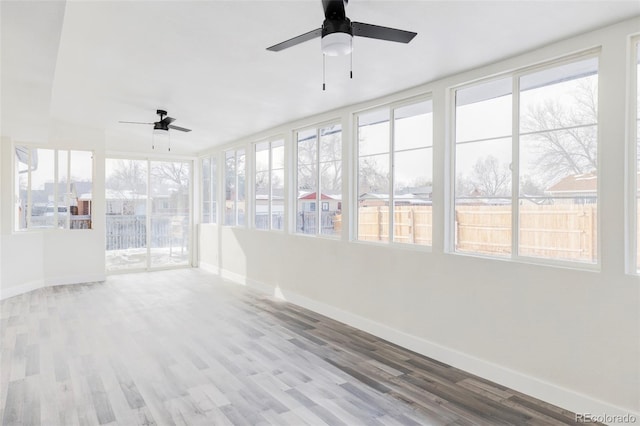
(234, 187)
(209, 168)
(53, 188)
(269, 185)
(395, 160)
(319, 180)
(526, 164)
(148, 214)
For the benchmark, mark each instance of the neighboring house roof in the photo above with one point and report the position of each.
(111, 194)
(312, 196)
(586, 183)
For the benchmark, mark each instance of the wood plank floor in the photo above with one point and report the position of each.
(184, 348)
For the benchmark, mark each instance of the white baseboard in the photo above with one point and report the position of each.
(214, 269)
(17, 290)
(545, 391)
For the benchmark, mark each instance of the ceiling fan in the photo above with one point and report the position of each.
(337, 32)
(161, 126)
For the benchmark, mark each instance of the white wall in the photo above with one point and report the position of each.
(568, 336)
(34, 259)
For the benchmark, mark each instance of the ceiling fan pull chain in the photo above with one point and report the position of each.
(323, 71)
(169, 138)
(351, 59)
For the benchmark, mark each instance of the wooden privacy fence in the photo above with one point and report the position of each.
(564, 231)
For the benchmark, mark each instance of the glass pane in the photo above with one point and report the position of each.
(22, 166)
(169, 233)
(330, 197)
(262, 192)
(205, 166)
(214, 189)
(638, 155)
(559, 228)
(307, 147)
(126, 214)
(412, 196)
(262, 156)
(277, 154)
(483, 227)
(373, 133)
(44, 206)
(63, 197)
(413, 126)
(230, 188)
(558, 162)
(277, 199)
(306, 203)
(483, 169)
(560, 97)
(373, 198)
(484, 111)
(241, 187)
(331, 143)
(81, 188)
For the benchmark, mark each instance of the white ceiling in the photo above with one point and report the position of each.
(93, 63)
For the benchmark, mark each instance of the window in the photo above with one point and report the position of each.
(209, 168)
(53, 188)
(319, 179)
(526, 164)
(395, 159)
(234, 186)
(269, 185)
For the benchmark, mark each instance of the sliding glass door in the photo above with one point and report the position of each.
(148, 214)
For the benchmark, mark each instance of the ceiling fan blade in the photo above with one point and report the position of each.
(382, 33)
(334, 9)
(167, 120)
(182, 129)
(296, 40)
(133, 122)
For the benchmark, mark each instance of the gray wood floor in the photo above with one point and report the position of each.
(184, 348)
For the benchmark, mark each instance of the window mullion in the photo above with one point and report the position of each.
(68, 224)
(269, 191)
(29, 197)
(56, 180)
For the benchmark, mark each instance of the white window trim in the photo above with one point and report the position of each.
(56, 150)
(269, 141)
(392, 107)
(515, 178)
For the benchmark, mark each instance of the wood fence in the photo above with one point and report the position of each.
(565, 231)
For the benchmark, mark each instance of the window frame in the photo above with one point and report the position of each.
(390, 107)
(235, 151)
(56, 163)
(270, 142)
(633, 151)
(515, 76)
(213, 182)
(294, 175)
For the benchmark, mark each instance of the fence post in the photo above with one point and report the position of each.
(379, 227)
(412, 224)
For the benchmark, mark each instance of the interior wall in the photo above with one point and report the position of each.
(37, 258)
(565, 335)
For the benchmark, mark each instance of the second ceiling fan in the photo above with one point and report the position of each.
(337, 32)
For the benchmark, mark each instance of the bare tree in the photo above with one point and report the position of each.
(129, 176)
(563, 136)
(490, 178)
